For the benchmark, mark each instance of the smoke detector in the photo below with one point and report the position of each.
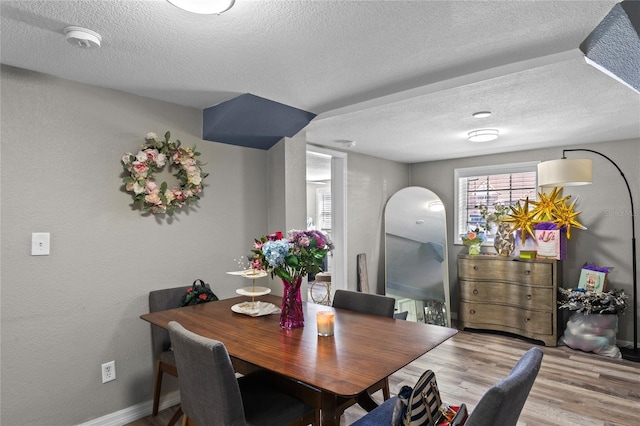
(82, 37)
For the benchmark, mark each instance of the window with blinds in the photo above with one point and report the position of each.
(485, 186)
(323, 210)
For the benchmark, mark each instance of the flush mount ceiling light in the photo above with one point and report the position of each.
(481, 114)
(203, 7)
(483, 135)
(82, 37)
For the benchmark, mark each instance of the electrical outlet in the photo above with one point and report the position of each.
(108, 371)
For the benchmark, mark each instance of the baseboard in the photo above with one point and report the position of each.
(135, 412)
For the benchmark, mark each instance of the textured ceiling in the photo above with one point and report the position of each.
(401, 78)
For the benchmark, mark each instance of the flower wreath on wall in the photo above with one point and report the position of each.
(150, 159)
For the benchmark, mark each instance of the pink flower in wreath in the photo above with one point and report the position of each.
(153, 198)
(152, 154)
(151, 187)
(179, 195)
(140, 169)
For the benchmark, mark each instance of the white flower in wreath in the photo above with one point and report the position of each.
(151, 158)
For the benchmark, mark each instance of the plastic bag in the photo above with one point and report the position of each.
(592, 333)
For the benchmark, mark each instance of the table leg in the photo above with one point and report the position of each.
(365, 401)
(330, 416)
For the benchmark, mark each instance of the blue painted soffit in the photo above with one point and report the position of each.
(252, 121)
(614, 45)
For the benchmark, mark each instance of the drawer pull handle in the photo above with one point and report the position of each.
(475, 268)
(527, 272)
(475, 291)
(472, 311)
(528, 297)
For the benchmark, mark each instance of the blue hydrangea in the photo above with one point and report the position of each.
(275, 252)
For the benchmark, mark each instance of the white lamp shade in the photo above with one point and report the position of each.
(204, 7)
(565, 172)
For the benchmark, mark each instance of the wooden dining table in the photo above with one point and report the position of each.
(364, 349)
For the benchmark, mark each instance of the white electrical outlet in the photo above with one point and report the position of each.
(108, 371)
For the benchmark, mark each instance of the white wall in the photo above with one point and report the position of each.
(65, 314)
(604, 205)
(287, 207)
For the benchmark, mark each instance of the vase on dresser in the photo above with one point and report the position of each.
(474, 249)
(504, 241)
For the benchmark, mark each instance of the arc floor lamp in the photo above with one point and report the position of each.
(573, 172)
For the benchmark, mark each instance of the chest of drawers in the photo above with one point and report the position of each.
(512, 295)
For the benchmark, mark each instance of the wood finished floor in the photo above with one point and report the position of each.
(572, 388)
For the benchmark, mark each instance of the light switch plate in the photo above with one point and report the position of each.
(40, 244)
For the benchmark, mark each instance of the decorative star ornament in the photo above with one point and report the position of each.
(522, 218)
(566, 216)
(548, 205)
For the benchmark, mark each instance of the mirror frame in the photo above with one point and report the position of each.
(419, 214)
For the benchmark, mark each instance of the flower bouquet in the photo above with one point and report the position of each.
(291, 258)
(473, 240)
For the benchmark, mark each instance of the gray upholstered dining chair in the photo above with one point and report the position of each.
(160, 300)
(500, 405)
(212, 394)
(366, 303)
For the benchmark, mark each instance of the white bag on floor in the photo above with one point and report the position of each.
(592, 333)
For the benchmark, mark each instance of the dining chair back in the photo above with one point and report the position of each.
(161, 300)
(366, 303)
(500, 405)
(212, 395)
(503, 402)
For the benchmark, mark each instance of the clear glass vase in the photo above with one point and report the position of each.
(292, 315)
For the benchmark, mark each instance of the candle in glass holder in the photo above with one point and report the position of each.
(325, 323)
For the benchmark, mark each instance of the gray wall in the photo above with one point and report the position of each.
(604, 205)
(370, 183)
(65, 314)
(61, 144)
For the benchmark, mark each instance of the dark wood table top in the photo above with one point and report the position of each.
(364, 349)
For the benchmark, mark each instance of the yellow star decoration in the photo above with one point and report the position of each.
(522, 218)
(547, 205)
(566, 216)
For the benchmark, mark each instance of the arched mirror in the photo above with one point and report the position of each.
(416, 266)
